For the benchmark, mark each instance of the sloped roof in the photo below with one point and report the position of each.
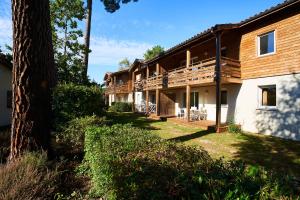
(210, 31)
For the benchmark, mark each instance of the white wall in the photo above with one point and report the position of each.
(284, 120)
(207, 101)
(5, 85)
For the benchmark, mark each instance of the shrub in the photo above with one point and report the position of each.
(72, 134)
(120, 107)
(5, 144)
(27, 178)
(130, 163)
(73, 101)
(233, 127)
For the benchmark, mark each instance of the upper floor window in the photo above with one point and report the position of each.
(266, 43)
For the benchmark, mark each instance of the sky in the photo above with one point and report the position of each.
(138, 26)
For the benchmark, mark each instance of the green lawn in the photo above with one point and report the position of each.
(270, 152)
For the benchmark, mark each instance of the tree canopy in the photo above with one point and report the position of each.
(68, 50)
(124, 64)
(114, 5)
(153, 52)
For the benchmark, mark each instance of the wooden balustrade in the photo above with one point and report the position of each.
(117, 89)
(154, 82)
(196, 74)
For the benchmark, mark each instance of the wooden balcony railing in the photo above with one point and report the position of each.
(204, 72)
(139, 85)
(196, 74)
(154, 82)
(117, 89)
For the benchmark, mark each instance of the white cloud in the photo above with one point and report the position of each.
(6, 31)
(108, 52)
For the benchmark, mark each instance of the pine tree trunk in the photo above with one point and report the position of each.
(34, 75)
(87, 36)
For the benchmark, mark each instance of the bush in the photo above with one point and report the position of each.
(72, 135)
(130, 163)
(233, 127)
(27, 178)
(120, 107)
(73, 101)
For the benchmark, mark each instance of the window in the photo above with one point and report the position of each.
(194, 100)
(224, 97)
(224, 51)
(266, 43)
(184, 100)
(9, 99)
(268, 95)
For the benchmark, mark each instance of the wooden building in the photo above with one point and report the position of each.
(247, 72)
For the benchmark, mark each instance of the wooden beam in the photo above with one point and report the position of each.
(147, 101)
(147, 72)
(157, 69)
(157, 102)
(218, 80)
(188, 102)
(188, 58)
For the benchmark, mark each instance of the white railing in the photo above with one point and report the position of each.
(142, 107)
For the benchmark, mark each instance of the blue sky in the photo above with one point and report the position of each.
(134, 28)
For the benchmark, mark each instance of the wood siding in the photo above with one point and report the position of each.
(286, 59)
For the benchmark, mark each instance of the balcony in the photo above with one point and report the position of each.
(139, 85)
(154, 82)
(117, 89)
(203, 72)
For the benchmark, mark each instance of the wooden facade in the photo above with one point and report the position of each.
(195, 62)
(285, 60)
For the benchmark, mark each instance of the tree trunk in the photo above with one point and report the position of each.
(33, 76)
(87, 36)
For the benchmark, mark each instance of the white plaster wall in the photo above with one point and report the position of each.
(207, 101)
(5, 85)
(284, 120)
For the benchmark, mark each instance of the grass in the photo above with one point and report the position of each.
(270, 152)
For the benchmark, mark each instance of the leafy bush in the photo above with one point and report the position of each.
(5, 144)
(27, 178)
(130, 163)
(233, 127)
(72, 135)
(73, 101)
(120, 107)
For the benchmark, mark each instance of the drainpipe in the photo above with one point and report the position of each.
(218, 34)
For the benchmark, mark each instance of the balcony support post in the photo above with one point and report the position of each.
(157, 102)
(218, 80)
(147, 101)
(133, 91)
(188, 102)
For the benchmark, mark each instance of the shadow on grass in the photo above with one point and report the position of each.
(271, 152)
(136, 119)
(188, 137)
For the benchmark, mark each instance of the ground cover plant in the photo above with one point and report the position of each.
(130, 163)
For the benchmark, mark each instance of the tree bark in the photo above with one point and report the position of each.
(34, 75)
(87, 36)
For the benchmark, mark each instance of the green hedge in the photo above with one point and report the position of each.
(130, 163)
(73, 101)
(120, 107)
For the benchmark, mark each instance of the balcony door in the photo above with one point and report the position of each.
(167, 104)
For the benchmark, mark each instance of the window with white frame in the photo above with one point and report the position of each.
(267, 96)
(266, 43)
